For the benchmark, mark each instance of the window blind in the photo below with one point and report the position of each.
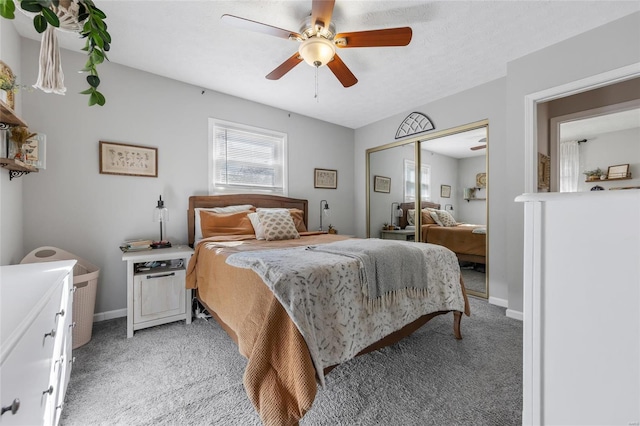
(248, 159)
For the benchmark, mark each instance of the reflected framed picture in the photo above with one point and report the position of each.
(325, 178)
(381, 184)
(620, 171)
(445, 191)
(130, 160)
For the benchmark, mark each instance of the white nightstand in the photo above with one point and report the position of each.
(400, 234)
(157, 295)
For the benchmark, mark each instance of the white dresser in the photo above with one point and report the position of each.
(581, 318)
(36, 331)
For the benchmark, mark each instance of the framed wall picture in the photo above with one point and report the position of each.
(325, 178)
(445, 191)
(618, 172)
(35, 151)
(130, 160)
(544, 172)
(381, 184)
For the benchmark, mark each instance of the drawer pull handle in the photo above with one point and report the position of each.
(161, 276)
(61, 313)
(14, 407)
(72, 289)
(52, 333)
(72, 325)
(49, 391)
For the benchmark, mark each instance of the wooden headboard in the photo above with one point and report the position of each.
(257, 200)
(406, 206)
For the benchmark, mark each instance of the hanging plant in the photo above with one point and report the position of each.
(81, 16)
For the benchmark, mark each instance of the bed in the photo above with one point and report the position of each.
(467, 241)
(283, 369)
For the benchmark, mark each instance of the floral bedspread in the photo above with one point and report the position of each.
(324, 294)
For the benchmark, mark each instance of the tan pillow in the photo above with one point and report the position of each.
(236, 223)
(426, 217)
(277, 224)
(298, 219)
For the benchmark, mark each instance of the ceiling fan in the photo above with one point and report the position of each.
(319, 40)
(477, 147)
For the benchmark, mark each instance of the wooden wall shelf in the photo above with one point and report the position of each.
(16, 167)
(9, 118)
(608, 180)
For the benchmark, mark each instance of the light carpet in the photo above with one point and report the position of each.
(178, 374)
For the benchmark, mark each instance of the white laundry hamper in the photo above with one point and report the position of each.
(85, 281)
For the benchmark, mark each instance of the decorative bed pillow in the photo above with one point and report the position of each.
(411, 217)
(296, 214)
(277, 224)
(228, 209)
(435, 218)
(213, 224)
(298, 219)
(443, 218)
(257, 227)
(426, 217)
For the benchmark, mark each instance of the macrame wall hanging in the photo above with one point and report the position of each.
(50, 75)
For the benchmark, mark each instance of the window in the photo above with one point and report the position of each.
(410, 182)
(247, 159)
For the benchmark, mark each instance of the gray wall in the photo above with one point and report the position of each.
(471, 211)
(602, 49)
(72, 206)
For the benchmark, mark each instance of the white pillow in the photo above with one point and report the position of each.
(228, 209)
(277, 224)
(435, 218)
(257, 227)
(411, 216)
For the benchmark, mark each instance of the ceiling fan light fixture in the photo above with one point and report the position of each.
(317, 51)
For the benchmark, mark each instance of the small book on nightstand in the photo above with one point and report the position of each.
(136, 245)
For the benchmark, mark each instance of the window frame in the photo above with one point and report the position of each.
(425, 170)
(228, 189)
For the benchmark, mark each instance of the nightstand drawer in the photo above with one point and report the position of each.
(159, 295)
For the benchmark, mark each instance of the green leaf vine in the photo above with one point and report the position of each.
(94, 30)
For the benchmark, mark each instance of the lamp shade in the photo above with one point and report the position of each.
(317, 51)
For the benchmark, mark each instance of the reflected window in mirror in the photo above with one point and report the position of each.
(410, 181)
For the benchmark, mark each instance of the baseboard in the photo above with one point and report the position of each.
(103, 316)
(503, 303)
(515, 314)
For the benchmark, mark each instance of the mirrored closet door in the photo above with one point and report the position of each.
(450, 169)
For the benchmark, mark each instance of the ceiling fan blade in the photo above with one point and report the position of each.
(374, 38)
(321, 11)
(259, 27)
(475, 148)
(341, 72)
(285, 67)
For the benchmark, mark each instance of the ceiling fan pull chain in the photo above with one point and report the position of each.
(316, 95)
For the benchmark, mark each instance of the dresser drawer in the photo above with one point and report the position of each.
(26, 372)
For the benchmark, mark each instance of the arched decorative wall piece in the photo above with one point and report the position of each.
(416, 122)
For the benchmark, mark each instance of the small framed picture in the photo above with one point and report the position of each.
(35, 151)
(445, 191)
(618, 172)
(381, 184)
(325, 178)
(131, 160)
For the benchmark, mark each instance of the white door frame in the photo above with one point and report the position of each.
(532, 360)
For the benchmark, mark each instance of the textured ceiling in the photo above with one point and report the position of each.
(456, 45)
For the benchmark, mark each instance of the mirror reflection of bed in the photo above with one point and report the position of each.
(453, 182)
